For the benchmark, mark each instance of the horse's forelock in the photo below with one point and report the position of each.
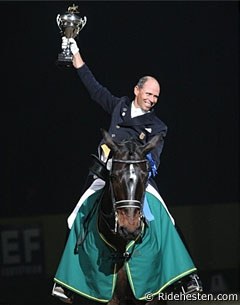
(129, 149)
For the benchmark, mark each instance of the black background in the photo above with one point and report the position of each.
(50, 126)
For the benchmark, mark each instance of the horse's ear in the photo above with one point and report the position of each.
(152, 143)
(108, 140)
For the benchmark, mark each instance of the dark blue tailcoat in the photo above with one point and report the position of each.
(122, 126)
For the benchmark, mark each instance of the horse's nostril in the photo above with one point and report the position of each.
(126, 234)
(122, 232)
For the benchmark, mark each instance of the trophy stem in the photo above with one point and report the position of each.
(65, 58)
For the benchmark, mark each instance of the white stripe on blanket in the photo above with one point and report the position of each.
(99, 184)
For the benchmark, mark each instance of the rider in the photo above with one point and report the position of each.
(130, 118)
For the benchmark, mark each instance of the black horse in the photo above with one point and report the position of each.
(120, 218)
(121, 214)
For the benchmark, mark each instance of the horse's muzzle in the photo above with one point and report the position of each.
(125, 234)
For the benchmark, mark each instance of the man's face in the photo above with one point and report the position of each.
(147, 96)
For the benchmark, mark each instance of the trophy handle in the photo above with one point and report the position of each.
(83, 22)
(58, 21)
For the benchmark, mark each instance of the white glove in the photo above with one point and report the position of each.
(64, 42)
(72, 42)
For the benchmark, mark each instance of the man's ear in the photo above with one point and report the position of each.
(136, 90)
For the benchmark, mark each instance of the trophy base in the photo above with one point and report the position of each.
(64, 60)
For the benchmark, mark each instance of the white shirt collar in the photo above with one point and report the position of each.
(136, 111)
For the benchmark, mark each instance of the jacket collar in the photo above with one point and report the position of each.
(145, 119)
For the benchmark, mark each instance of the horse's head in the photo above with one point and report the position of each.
(128, 179)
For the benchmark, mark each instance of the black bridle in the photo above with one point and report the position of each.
(126, 203)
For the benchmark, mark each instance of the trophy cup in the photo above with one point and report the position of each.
(70, 24)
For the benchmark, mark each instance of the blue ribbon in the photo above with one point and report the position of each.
(153, 170)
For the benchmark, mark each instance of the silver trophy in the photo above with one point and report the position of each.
(70, 24)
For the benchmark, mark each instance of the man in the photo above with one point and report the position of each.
(129, 119)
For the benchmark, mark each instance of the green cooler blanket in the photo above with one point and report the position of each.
(157, 259)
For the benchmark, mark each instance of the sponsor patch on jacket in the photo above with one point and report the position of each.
(142, 136)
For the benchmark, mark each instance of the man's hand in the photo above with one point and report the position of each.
(72, 43)
(76, 59)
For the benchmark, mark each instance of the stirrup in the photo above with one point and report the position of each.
(60, 293)
(193, 286)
